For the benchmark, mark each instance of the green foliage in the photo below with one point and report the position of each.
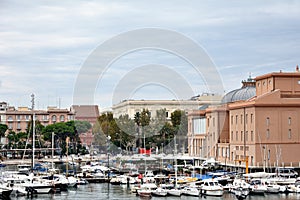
(17, 140)
(126, 135)
(176, 117)
(105, 126)
(3, 129)
(82, 126)
(143, 118)
(62, 130)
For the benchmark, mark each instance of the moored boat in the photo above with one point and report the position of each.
(211, 187)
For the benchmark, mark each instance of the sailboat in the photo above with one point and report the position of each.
(175, 191)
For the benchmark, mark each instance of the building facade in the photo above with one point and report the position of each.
(131, 107)
(89, 113)
(17, 119)
(258, 123)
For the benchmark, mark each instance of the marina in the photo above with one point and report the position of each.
(92, 178)
(105, 191)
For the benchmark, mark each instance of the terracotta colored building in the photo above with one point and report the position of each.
(17, 119)
(258, 121)
(88, 113)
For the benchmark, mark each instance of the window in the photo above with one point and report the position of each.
(213, 121)
(45, 117)
(252, 136)
(237, 148)
(268, 133)
(246, 136)
(10, 118)
(290, 134)
(241, 119)
(19, 125)
(18, 117)
(70, 117)
(62, 118)
(231, 119)
(290, 121)
(236, 119)
(167, 114)
(53, 118)
(246, 118)
(10, 125)
(237, 157)
(251, 118)
(27, 117)
(232, 135)
(236, 136)
(241, 135)
(198, 125)
(268, 121)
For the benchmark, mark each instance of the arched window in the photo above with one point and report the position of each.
(53, 118)
(62, 118)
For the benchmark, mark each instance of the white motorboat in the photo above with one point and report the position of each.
(146, 189)
(190, 191)
(159, 192)
(174, 192)
(257, 187)
(293, 188)
(273, 187)
(211, 187)
(240, 188)
(241, 193)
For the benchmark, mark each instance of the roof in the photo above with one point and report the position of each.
(243, 93)
(85, 110)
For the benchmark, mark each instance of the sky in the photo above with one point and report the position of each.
(45, 45)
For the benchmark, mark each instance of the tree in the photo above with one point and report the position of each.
(82, 126)
(62, 131)
(3, 129)
(141, 119)
(180, 123)
(104, 127)
(126, 135)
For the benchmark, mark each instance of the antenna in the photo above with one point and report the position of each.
(32, 101)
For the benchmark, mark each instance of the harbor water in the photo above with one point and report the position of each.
(119, 192)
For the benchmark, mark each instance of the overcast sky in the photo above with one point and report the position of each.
(44, 44)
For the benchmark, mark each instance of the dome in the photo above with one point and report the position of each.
(243, 93)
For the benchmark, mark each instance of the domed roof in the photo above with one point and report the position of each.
(239, 94)
(246, 92)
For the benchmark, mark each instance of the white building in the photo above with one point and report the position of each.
(131, 107)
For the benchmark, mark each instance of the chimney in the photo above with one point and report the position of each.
(297, 68)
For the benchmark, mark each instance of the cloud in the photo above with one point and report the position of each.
(43, 44)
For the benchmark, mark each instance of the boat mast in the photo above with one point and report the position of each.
(175, 150)
(33, 131)
(52, 145)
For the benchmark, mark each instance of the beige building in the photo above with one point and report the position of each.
(131, 107)
(258, 121)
